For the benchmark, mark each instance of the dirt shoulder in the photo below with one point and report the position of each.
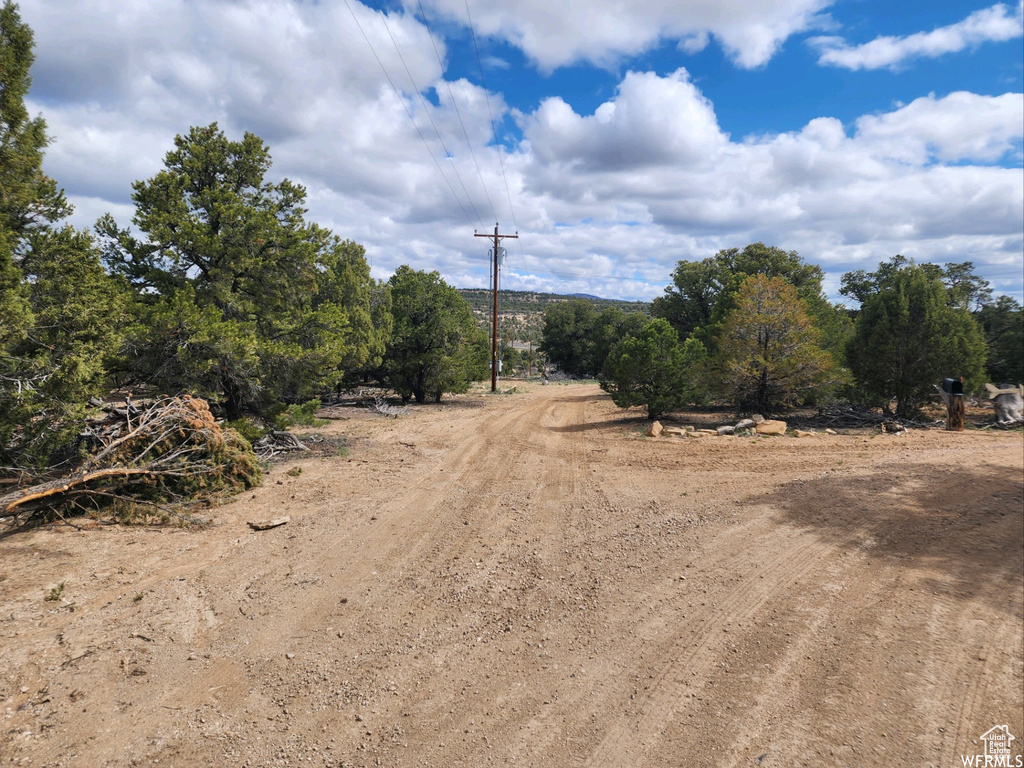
(528, 580)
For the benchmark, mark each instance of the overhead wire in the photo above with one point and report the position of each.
(426, 110)
(494, 127)
(409, 113)
(458, 112)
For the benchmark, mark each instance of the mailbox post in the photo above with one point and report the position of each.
(953, 394)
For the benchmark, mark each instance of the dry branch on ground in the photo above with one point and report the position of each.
(146, 461)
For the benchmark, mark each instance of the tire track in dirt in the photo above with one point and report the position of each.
(688, 656)
(438, 513)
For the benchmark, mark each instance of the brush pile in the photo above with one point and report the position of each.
(145, 463)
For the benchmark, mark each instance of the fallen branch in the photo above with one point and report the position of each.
(155, 458)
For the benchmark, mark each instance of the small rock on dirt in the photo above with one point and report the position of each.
(802, 433)
(655, 429)
(726, 429)
(757, 418)
(746, 424)
(263, 525)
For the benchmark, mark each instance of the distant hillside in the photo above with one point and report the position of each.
(521, 313)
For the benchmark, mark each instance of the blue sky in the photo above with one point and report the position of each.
(623, 138)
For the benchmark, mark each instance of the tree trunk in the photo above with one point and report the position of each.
(955, 413)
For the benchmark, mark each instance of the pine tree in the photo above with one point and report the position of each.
(241, 299)
(908, 336)
(60, 312)
(436, 345)
(651, 369)
(768, 352)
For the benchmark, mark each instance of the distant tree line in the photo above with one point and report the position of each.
(753, 328)
(222, 289)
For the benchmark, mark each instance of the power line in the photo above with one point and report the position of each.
(494, 127)
(465, 133)
(409, 113)
(426, 109)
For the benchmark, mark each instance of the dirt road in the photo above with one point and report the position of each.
(527, 580)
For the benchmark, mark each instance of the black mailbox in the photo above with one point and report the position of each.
(952, 386)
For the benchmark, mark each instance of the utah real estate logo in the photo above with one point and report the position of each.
(998, 751)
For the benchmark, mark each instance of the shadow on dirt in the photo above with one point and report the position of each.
(966, 523)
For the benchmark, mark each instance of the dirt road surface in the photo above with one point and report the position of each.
(528, 580)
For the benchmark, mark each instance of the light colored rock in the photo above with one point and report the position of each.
(655, 429)
(746, 424)
(831, 432)
(726, 430)
(695, 434)
(708, 431)
(802, 433)
(264, 525)
(771, 427)
(757, 418)
(679, 431)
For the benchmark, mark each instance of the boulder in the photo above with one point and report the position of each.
(1008, 403)
(679, 431)
(655, 429)
(725, 429)
(771, 427)
(757, 418)
(695, 434)
(802, 433)
(746, 424)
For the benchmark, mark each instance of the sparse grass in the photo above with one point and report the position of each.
(294, 472)
(55, 594)
(138, 597)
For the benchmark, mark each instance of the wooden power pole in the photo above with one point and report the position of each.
(494, 315)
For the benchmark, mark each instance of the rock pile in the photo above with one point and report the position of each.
(755, 425)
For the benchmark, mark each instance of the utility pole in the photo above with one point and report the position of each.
(494, 315)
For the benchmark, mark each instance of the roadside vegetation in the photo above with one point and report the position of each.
(221, 314)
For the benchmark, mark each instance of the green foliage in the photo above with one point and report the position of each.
(688, 304)
(436, 347)
(568, 336)
(651, 369)
(60, 313)
(578, 338)
(241, 299)
(964, 288)
(768, 352)
(301, 415)
(247, 428)
(703, 293)
(1003, 324)
(29, 199)
(909, 336)
(56, 594)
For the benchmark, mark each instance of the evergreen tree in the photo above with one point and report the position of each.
(1003, 323)
(436, 345)
(568, 336)
(768, 352)
(29, 199)
(703, 294)
(59, 311)
(908, 336)
(651, 369)
(241, 299)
